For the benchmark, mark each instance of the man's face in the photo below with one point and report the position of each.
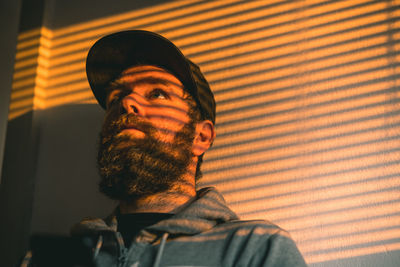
(147, 135)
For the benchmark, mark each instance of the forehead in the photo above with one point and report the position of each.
(150, 74)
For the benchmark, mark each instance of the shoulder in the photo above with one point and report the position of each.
(256, 227)
(91, 225)
(256, 233)
(264, 241)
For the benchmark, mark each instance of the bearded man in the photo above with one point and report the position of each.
(159, 121)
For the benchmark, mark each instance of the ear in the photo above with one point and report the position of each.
(204, 136)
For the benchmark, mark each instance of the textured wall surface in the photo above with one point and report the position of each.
(308, 115)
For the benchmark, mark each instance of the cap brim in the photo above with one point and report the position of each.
(112, 54)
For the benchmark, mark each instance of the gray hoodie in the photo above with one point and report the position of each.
(205, 233)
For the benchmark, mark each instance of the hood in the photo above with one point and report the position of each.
(206, 211)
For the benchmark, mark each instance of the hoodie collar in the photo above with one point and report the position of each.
(206, 211)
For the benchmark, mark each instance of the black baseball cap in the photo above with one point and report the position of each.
(114, 53)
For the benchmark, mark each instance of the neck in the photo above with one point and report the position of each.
(162, 202)
(172, 201)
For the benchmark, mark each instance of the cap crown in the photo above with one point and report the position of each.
(114, 53)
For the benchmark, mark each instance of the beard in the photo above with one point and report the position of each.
(131, 168)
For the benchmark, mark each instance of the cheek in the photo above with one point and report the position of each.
(166, 129)
(113, 112)
(110, 117)
(168, 121)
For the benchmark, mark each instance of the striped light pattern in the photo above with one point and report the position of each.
(308, 109)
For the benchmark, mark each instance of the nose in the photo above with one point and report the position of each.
(132, 105)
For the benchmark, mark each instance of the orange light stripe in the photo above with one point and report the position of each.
(271, 69)
(272, 184)
(353, 140)
(13, 114)
(329, 6)
(347, 228)
(238, 69)
(347, 24)
(354, 239)
(346, 32)
(247, 43)
(59, 62)
(23, 103)
(43, 62)
(23, 83)
(348, 99)
(345, 135)
(265, 75)
(260, 126)
(39, 103)
(69, 99)
(287, 82)
(26, 44)
(124, 25)
(18, 94)
(71, 88)
(298, 170)
(28, 72)
(27, 53)
(234, 141)
(78, 74)
(338, 94)
(366, 66)
(135, 19)
(23, 64)
(64, 71)
(44, 51)
(344, 165)
(334, 217)
(331, 51)
(340, 118)
(307, 203)
(355, 252)
(341, 15)
(270, 103)
(294, 36)
(367, 73)
(28, 34)
(87, 26)
(287, 85)
(307, 136)
(264, 20)
(73, 47)
(379, 146)
(227, 16)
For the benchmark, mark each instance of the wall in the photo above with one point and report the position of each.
(16, 182)
(9, 28)
(308, 132)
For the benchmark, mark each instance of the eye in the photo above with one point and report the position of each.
(157, 94)
(115, 97)
(112, 99)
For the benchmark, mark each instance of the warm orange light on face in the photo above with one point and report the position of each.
(154, 95)
(308, 113)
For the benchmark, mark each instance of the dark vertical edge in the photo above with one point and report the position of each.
(20, 153)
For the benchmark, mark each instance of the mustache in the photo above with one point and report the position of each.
(128, 121)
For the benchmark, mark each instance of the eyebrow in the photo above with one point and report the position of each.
(118, 84)
(154, 80)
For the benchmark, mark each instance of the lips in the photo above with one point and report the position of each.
(129, 123)
(131, 128)
(134, 127)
